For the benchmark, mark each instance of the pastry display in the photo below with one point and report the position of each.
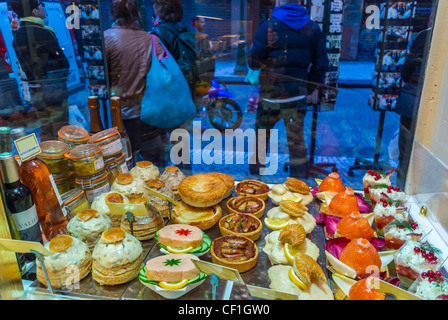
(145, 170)
(331, 184)
(88, 225)
(172, 176)
(69, 254)
(246, 204)
(430, 285)
(182, 238)
(240, 224)
(128, 185)
(396, 233)
(364, 290)
(143, 228)
(100, 205)
(281, 246)
(203, 189)
(234, 252)
(373, 178)
(252, 188)
(354, 226)
(162, 205)
(414, 258)
(342, 204)
(203, 218)
(383, 192)
(305, 278)
(387, 211)
(299, 215)
(293, 189)
(117, 258)
(362, 256)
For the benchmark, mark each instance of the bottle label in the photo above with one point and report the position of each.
(27, 147)
(92, 194)
(112, 148)
(28, 224)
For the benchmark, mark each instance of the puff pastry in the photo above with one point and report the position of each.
(203, 218)
(306, 220)
(280, 192)
(203, 189)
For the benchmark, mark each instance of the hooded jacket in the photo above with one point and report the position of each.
(290, 50)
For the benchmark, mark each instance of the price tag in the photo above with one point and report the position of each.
(161, 196)
(27, 147)
(222, 272)
(269, 294)
(138, 210)
(23, 246)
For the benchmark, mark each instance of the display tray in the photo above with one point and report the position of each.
(257, 276)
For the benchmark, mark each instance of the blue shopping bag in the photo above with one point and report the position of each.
(167, 102)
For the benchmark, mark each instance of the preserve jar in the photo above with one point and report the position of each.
(87, 160)
(116, 166)
(75, 200)
(53, 155)
(73, 135)
(64, 182)
(95, 185)
(110, 141)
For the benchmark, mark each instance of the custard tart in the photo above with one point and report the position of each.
(235, 252)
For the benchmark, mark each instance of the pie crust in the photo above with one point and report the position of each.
(241, 253)
(240, 224)
(203, 218)
(252, 188)
(203, 189)
(247, 204)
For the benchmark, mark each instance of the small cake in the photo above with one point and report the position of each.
(172, 268)
(293, 212)
(69, 255)
(129, 185)
(203, 189)
(382, 192)
(180, 236)
(252, 188)
(293, 189)
(373, 178)
(145, 170)
(414, 258)
(430, 285)
(143, 228)
(396, 233)
(117, 258)
(247, 204)
(88, 225)
(172, 176)
(387, 211)
(100, 205)
(203, 218)
(234, 252)
(159, 186)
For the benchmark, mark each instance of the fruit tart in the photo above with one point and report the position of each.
(292, 189)
(235, 252)
(240, 224)
(252, 188)
(246, 204)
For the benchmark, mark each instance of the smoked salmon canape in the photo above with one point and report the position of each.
(182, 238)
(172, 275)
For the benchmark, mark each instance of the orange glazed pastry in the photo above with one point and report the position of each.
(362, 256)
(343, 203)
(363, 290)
(331, 183)
(354, 226)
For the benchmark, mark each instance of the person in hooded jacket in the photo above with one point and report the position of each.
(290, 50)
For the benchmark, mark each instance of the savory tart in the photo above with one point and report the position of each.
(100, 204)
(203, 218)
(68, 253)
(234, 252)
(145, 170)
(182, 238)
(247, 204)
(252, 188)
(117, 258)
(203, 189)
(132, 187)
(241, 224)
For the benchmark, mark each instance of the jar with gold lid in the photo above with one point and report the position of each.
(64, 182)
(95, 185)
(75, 200)
(116, 166)
(110, 141)
(73, 135)
(52, 154)
(87, 159)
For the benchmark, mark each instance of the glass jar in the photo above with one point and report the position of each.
(110, 141)
(53, 155)
(95, 185)
(75, 200)
(87, 160)
(73, 135)
(64, 182)
(116, 166)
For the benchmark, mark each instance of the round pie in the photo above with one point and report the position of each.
(203, 218)
(235, 252)
(203, 189)
(246, 204)
(240, 224)
(252, 188)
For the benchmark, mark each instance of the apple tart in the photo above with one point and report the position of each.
(252, 188)
(241, 224)
(247, 204)
(235, 252)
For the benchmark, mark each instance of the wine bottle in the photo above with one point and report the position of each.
(5, 139)
(96, 125)
(19, 202)
(52, 215)
(117, 121)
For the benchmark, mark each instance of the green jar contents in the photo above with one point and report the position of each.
(75, 200)
(87, 160)
(110, 141)
(95, 185)
(73, 136)
(53, 155)
(116, 166)
(64, 182)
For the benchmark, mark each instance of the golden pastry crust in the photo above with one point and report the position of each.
(60, 243)
(296, 185)
(235, 252)
(240, 224)
(293, 208)
(306, 267)
(252, 188)
(203, 218)
(294, 234)
(229, 181)
(246, 204)
(117, 275)
(203, 189)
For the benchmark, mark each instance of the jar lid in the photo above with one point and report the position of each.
(103, 135)
(103, 175)
(53, 149)
(83, 151)
(74, 134)
(72, 195)
(115, 159)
